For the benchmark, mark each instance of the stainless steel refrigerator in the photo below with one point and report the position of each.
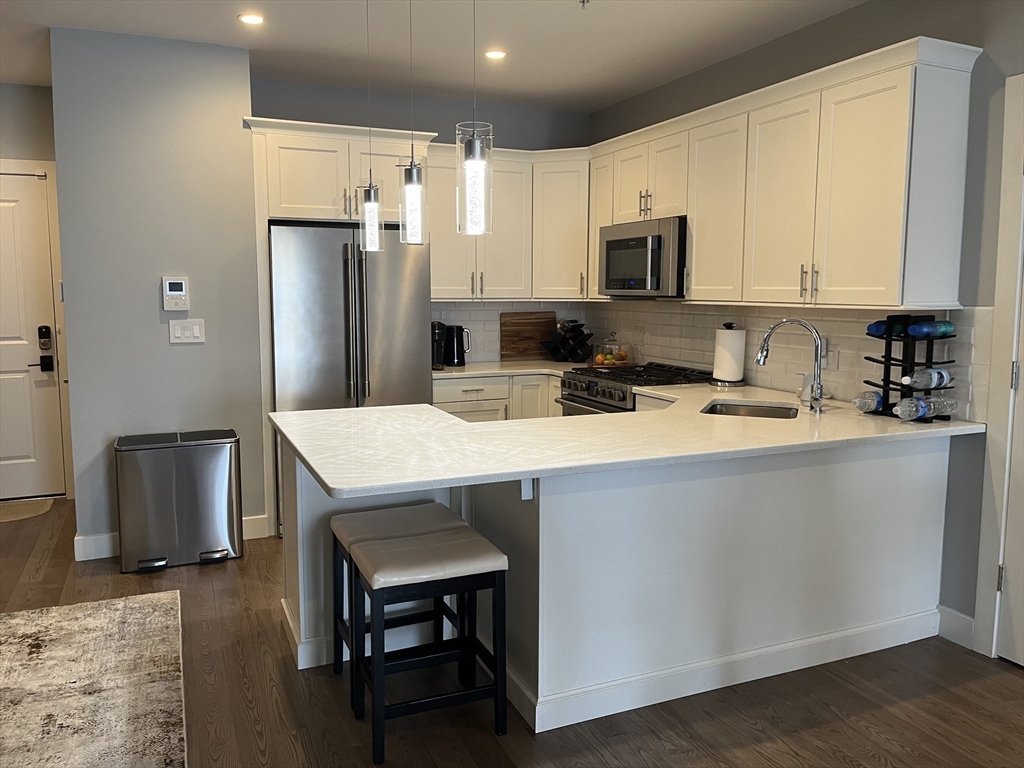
(351, 329)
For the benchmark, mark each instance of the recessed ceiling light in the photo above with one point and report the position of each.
(250, 18)
(495, 54)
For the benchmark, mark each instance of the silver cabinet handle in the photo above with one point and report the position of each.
(803, 280)
(581, 283)
(481, 283)
(472, 283)
(814, 282)
(364, 334)
(350, 292)
(506, 411)
(648, 196)
(467, 390)
(640, 204)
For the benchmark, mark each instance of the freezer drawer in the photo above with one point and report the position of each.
(178, 498)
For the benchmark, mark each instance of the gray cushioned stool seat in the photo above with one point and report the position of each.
(434, 556)
(393, 522)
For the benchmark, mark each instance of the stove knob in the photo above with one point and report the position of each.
(564, 383)
(620, 395)
(602, 393)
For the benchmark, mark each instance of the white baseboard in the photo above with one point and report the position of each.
(643, 690)
(257, 527)
(956, 626)
(96, 547)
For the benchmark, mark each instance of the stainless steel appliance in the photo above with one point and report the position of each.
(437, 336)
(458, 341)
(643, 258)
(178, 498)
(350, 328)
(588, 391)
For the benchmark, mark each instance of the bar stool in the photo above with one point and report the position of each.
(457, 561)
(373, 525)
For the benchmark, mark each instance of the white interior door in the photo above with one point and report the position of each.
(31, 452)
(1010, 631)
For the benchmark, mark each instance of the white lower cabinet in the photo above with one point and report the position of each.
(554, 392)
(478, 410)
(530, 396)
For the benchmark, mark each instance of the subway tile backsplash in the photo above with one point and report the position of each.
(685, 334)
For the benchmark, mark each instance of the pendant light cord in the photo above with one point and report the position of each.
(369, 123)
(412, 134)
(474, 65)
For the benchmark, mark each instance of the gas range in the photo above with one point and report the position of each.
(610, 390)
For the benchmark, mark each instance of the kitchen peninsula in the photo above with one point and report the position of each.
(651, 554)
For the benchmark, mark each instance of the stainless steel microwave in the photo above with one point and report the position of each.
(643, 258)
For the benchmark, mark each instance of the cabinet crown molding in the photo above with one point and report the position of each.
(351, 132)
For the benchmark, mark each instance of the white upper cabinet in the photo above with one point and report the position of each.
(386, 158)
(667, 159)
(630, 184)
(600, 216)
(715, 201)
(452, 256)
(560, 202)
(307, 177)
(863, 163)
(505, 257)
(782, 168)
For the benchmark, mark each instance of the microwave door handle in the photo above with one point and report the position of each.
(650, 261)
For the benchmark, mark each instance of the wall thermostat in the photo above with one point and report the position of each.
(175, 293)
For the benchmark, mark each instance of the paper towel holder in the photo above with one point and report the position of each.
(722, 383)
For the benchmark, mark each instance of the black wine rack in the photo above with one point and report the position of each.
(894, 367)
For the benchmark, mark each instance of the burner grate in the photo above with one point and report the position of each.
(648, 375)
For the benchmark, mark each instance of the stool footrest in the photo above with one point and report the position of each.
(428, 655)
(437, 702)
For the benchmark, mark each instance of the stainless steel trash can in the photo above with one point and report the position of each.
(179, 498)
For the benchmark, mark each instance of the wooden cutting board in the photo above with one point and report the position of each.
(522, 334)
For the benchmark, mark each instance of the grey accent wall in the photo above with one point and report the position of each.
(26, 122)
(961, 536)
(515, 127)
(155, 177)
(995, 25)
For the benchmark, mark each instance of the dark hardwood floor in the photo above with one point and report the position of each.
(930, 703)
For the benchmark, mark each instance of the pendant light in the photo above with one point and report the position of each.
(371, 226)
(412, 210)
(473, 144)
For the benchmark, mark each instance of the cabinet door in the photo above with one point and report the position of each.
(554, 392)
(452, 256)
(629, 183)
(782, 169)
(505, 257)
(560, 199)
(667, 159)
(600, 216)
(482, 410)
(714, 218)
(863, 160)
(530, 397)
(386, 158)
(307, 177)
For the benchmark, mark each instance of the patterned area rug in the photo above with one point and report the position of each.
(22, 510)
(93, 684)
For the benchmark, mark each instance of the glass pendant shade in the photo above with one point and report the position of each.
(412, 210)
(474, 143)
(371, 225)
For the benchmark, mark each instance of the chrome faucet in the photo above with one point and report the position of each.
(762, 356)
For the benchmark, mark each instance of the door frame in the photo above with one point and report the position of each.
(1007, 307)
(48, 170)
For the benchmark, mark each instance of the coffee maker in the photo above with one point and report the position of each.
(437, 337)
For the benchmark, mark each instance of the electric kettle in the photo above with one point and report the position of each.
(457, 342)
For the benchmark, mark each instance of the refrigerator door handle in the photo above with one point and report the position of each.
(364, 353)
(350, 290)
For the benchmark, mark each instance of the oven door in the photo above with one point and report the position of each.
(572, 406)
(641, 258)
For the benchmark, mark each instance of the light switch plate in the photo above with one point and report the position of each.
(191, 331)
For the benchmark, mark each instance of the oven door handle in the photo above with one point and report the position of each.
(580, 406)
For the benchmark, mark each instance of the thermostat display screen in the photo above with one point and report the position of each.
(175, 286)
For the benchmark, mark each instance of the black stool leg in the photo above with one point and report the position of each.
(498, 643)
(466, 633)
(339, 606)
(377, 669)
(357, 622)
(438, 619)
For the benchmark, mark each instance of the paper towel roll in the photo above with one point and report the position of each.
(730, 347)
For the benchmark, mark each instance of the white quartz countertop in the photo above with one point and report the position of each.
(515, 368)
(369, 451)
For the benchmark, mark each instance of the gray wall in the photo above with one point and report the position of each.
(515, 127)
(995, 25)
(961, 537)
(26, 122)
(155, 177)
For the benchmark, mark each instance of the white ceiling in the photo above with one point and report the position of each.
(558, 54)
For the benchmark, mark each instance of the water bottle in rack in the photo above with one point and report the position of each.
(868, 401)
(928, 378)
(911, 408)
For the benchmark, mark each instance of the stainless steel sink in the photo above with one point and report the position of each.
(758, 410)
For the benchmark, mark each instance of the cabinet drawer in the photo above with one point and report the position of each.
(460, 390)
